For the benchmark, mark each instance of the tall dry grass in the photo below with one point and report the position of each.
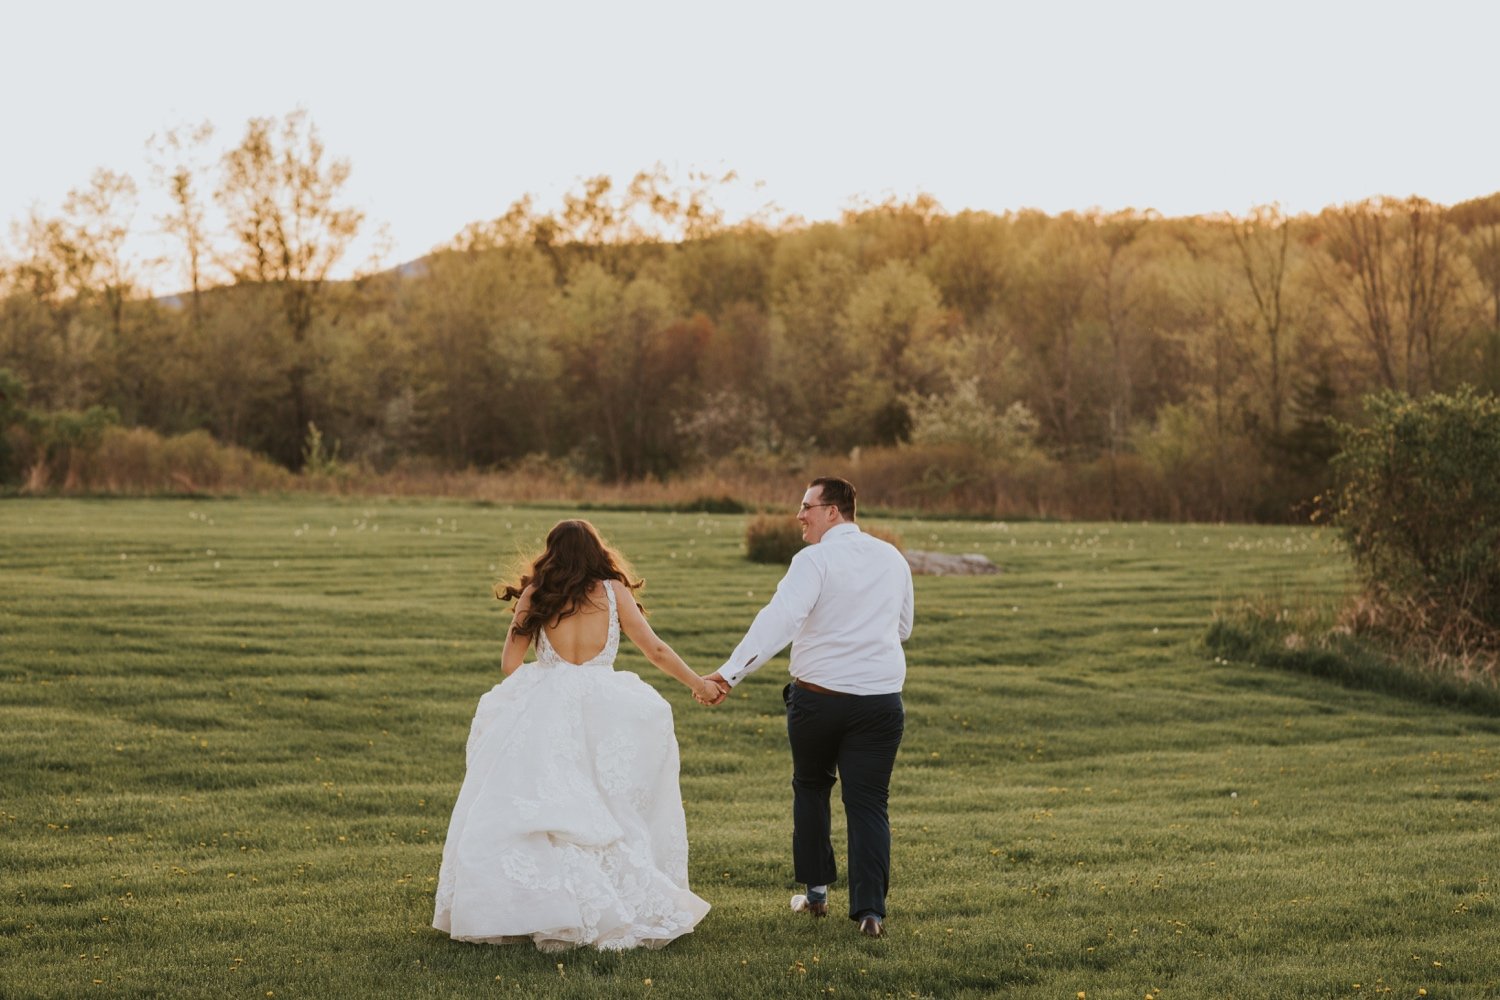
(944, 480)
(136, 461)
(720, 490)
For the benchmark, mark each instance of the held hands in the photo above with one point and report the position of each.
(711, 690)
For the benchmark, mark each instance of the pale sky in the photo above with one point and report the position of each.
(449, 111)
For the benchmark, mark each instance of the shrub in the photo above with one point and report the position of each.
(1419, 506)
(713, 505)
(1202, 469)
(1320, 641)
(947, 478)
(137, 460)
(885, 535)
(963, 417)
(771, 538)
(12, 395)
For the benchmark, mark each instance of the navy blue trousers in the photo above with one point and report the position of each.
(852, 738)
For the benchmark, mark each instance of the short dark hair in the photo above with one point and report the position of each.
(839, 492)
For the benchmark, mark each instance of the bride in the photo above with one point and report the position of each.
(569, 828)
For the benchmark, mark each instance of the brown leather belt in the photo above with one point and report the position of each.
(818, 688)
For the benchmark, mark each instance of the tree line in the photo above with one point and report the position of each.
(633, 332)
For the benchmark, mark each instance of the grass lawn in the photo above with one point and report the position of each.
(231, 733)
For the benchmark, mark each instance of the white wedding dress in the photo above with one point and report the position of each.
(569, 828)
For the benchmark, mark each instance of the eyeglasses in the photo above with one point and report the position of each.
(809, 506)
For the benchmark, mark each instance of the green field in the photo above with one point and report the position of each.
(231, 732)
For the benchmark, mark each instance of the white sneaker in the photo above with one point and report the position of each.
(801, 904)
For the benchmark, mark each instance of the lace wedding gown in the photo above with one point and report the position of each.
(569, 828)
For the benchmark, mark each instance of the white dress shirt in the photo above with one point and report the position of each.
(846, 606)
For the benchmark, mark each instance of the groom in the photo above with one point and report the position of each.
(845, 605)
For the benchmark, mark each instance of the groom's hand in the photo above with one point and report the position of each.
(710, 693)
(718, 681)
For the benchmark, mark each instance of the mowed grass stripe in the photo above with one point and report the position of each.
(234, 779)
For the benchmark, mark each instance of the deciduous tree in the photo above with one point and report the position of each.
(288, 228)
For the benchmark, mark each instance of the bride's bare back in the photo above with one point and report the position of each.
(582, 635)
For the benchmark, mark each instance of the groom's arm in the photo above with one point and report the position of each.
(908, 608)
(779, 621)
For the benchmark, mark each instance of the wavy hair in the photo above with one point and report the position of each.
(574, 558)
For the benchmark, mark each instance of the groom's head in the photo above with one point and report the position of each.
(828, 501)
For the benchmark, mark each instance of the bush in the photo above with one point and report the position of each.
(1419, 506)
(948, 479)
(885, 535)
(1197, 469)
(713, 505)
(771, 538)
(12, 395)
(1325, 643)
(136, 460)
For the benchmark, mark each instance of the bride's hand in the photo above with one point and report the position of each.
(706, 692)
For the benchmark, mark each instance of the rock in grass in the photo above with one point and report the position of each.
(949, 564)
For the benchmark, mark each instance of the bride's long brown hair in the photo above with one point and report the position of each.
(574, 558)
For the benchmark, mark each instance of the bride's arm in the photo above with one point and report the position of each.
(634, 624)
(516, 644)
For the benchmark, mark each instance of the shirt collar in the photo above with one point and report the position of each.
(842, 528)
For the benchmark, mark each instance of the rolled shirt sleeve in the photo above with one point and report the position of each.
(779, 621)
(908, 610)
(845, 606)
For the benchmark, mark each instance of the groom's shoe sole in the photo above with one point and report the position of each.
(872, 927)
(801, 904)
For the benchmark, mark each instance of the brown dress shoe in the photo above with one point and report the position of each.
(870, 926)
